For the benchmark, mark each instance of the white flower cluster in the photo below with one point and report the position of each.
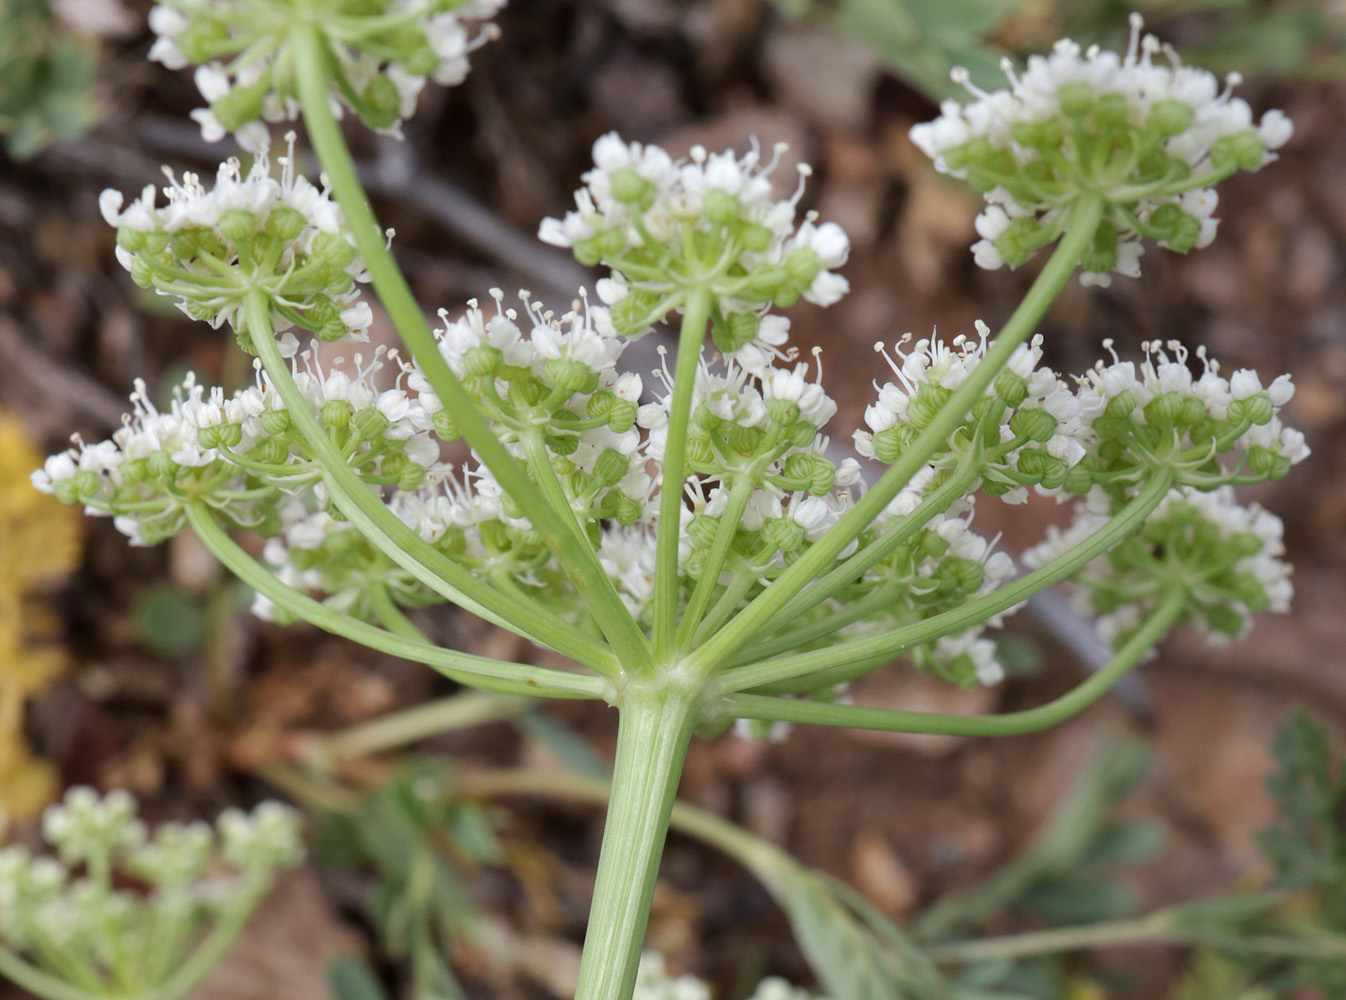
(70, 914)
(1230, 556)
(712, 221)
(208, 247)
(944, 564)
(559, 380)
(1117, 423)
(382, 56)
(654, 983)
(1150, 137)
(1033, 434)
(240, 454)
(314, 551)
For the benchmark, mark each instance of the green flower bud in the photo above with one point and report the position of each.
(783, 534)
(272, 451)
(611, 467)
(926, 403)
(1020, 238)
(630, 188)
(563, 444)
(569, 375)
(241, 105)
(629, 510)
(1036, 425)
(411, 476)
(754, 236)
(333, 250)
(275, 421)
(1122, 405)
(803, 264)
(631, 315)
(237, 224)
(1101, 256)
(142, 274)
(482, 360)
(737, 331)
(370, 423)
(1243, 151)
(336, 413)
(285, 223)
(783, 411)
(1012, 389)
(700, 452)
(890, 442)
(744, 440)
(1222, 618)
(1169, 117)
(1078, 481)
(381, 104)
(494, 535)
(1077, 99)
(1039, 135)
(965, 574)
(1256, 409)
(1111, 110)
(130, 240)
(721, 207)
(444, 427)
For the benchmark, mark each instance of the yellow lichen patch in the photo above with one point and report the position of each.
(39, 539)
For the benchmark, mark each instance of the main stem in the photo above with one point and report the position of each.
(652, 738)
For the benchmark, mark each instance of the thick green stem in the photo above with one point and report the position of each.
(652, 738)
(396, 539)
(828, 666)
(1169, 611)
(1084, 216)
(480, 671)
(696, 313)
(570, 547)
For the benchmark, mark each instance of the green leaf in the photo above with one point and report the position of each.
(350, 979)
(1307, 846)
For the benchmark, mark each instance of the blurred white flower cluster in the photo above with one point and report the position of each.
(78, 919)
(654, 983)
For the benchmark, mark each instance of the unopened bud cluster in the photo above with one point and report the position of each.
(381, 55)
(1151, 138)
(76, 916)
(208, 248)
(1229, 556)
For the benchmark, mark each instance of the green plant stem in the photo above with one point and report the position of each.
(216, 945)
(570, 547)
(1083, 220)
(652, 738)
(696, 313)
(508, 678)
(396, 539)
(457, 711)
(699, 602)
(386, 610)
(820, 666)
(1168, 612)
(1162, 927)
(25, 976)
(865, 559)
